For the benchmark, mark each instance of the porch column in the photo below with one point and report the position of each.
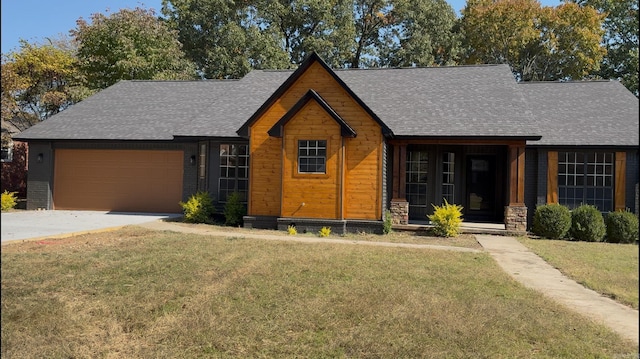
(399, 205)
(515, 213)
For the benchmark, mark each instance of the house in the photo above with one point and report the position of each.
(321, 147)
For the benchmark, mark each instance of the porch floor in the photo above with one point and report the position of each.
(466, 227)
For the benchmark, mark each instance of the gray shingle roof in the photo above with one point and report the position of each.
(588, 113)
(469, 101)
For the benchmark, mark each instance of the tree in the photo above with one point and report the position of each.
(322, 26)
(228, 39)
(620, 39)
(38, 81)
(423, 34)
(223, 37)
(128, 45)
(538, 43)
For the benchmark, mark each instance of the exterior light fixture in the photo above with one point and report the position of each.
(40, 157)
(192, 159)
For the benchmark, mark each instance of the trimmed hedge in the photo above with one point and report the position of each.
(622, 227)
(551, 221)
(587, 224)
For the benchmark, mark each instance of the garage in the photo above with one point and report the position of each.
(118, 180)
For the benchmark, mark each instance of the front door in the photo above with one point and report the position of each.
(481, 201)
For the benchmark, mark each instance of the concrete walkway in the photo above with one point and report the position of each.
(533, 272)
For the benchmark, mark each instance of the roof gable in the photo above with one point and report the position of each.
(306, 64)
(277, 129)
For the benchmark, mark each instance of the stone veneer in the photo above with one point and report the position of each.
(399, 211)
(515, 218)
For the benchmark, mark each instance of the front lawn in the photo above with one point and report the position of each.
(142, 293)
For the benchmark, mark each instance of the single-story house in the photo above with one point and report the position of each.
(324, 147)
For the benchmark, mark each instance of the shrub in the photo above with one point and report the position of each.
(552, 221)
(234, 210)
(388, 223)
(587, 224)
(324, 232)
(9, 200)
(292, 230)
(446, 219)
(199, 208)
(622, 227)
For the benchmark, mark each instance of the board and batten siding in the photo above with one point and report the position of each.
(362, 186)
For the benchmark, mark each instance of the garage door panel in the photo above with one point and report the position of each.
(118, 180)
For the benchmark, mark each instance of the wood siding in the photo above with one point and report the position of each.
(619, 181)
(552, 177)
(312, 195)
(362, 190)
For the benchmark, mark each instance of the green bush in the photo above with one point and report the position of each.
(551, 221)
(199, 208)
(234, 210)
(9, 200)
(446, 219)
(388, 223)
(587, 224)
(622, 227)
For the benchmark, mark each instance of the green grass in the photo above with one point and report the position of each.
(140, 293)
(607, 268)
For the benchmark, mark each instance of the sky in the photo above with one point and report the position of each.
(37, 20)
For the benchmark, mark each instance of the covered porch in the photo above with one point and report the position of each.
(484, 176)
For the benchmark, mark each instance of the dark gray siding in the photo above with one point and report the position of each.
(386, 170)
(40, 176)
(632, 176)
(531, 179)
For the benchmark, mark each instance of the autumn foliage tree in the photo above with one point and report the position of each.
(38, 81)
(539, 43)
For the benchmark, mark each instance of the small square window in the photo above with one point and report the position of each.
(312, 156)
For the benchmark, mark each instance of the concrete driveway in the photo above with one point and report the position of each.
(40, 224)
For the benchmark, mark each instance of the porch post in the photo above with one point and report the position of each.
(515, 213)
(399, 205)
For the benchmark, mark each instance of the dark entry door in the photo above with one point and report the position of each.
(481, 202)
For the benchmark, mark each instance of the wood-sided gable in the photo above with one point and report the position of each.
(313, 58)
(345, 129)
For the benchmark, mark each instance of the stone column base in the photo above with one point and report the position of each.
(515, 218)
(399, 211)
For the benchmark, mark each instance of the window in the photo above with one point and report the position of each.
(416, 178)
(312, 156)
(234, 171)
(7, 153)
(448, 183)
(586, 178)
(202, 164)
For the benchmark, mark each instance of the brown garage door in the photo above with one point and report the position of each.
(118, 180)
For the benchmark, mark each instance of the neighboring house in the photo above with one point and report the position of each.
(13, 161)
(317, 146)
